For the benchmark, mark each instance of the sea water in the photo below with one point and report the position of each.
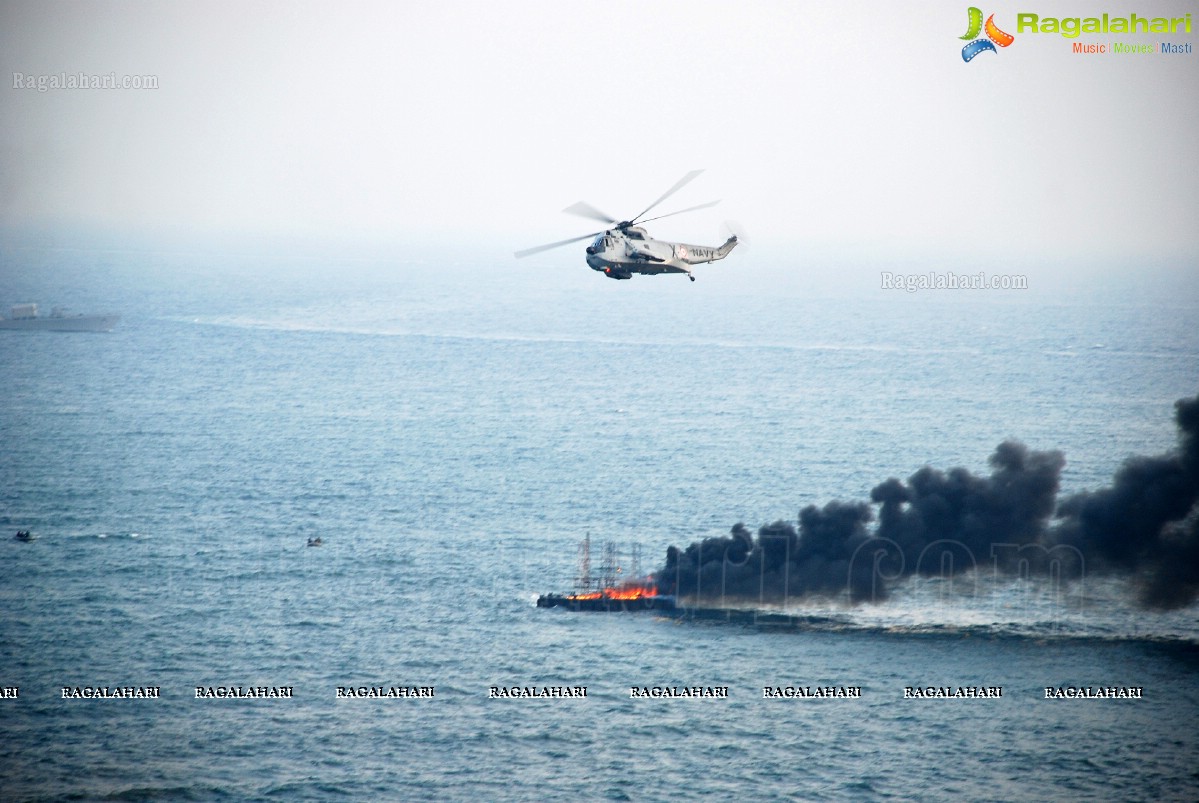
(452, 433)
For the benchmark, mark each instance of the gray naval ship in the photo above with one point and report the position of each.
(25, 316)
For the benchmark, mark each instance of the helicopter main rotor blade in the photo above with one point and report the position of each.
(583, 209)
(539, 248)
(681, 211)
(678, 186)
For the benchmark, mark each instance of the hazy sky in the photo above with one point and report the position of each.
(826, 126)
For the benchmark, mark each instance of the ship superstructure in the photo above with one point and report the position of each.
(608, 591)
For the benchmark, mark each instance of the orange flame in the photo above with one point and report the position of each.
(626, 591)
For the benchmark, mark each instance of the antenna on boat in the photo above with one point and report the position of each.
(583, 581)
(608, 566)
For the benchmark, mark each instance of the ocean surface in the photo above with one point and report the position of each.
(452, 432)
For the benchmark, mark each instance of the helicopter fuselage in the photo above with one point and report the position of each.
(622, 251)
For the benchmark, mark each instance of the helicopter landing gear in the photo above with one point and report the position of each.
(689, 276)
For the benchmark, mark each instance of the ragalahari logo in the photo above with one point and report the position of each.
(994, 35)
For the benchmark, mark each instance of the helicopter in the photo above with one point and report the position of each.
(625, 248)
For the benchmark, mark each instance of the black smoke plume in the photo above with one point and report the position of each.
(1146, 524)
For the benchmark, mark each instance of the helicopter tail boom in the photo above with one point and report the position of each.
(699, 254)
(726, 249)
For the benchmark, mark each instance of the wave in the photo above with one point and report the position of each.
(1100, 610)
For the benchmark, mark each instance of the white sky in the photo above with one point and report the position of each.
(829, 126)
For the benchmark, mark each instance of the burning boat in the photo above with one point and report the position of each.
(613, 595)
(629, 597)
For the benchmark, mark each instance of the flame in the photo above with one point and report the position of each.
(625, 591)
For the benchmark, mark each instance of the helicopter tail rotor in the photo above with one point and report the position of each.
(732, 228)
